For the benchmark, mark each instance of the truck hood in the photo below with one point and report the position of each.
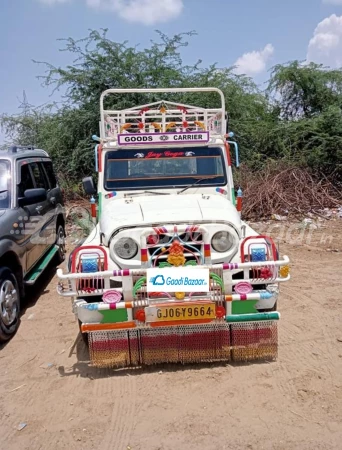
(163, 209)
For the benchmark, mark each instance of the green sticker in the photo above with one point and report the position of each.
(114, 315)
(244, 307)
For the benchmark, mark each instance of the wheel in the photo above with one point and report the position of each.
(60, 241)
(9, 304)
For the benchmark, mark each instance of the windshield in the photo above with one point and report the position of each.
(5, 184)
(151, 168)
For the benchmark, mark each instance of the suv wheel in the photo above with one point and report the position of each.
(60, 241)
(9, 304)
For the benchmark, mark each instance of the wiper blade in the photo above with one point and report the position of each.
(147, 192)
(5, 190)
(198, 181)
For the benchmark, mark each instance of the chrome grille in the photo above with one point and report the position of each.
(192, 243)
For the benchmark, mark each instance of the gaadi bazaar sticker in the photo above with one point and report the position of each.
(163, 138)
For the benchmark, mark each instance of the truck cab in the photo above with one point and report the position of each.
(168, 221)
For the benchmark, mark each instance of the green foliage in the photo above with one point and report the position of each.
(305, 90)
(298, 117)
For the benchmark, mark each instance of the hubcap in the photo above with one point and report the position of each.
(8, 302)
(61, 242)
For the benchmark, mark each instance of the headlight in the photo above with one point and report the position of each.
(126, 248)
(222, 241)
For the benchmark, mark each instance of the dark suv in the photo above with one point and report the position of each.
(32, 222)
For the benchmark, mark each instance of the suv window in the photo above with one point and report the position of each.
(38, 176)
(50, 174)
(26, 181)
(5, 184)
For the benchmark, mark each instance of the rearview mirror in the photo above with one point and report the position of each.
(32, 196)
(88, 185)
(237, 162)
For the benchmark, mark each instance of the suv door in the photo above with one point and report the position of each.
(34, 217)
(45, 209)
(27, 216)
(54, 196)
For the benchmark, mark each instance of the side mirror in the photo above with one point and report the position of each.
(88, 186)
(237, 161)
(32, 196)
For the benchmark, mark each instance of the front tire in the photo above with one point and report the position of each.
(9, 304)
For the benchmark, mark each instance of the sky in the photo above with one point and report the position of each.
(253, 35)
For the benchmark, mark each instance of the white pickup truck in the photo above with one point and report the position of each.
(170, 272)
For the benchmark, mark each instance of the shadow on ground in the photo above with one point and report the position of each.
(33, 293)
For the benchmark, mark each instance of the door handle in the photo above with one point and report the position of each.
(53, 200)
(39, 208)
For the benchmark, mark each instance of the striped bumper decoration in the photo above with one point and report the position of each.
(253, 296)
(230, 266)
(121, 273)
(160, 230)
(120, 305)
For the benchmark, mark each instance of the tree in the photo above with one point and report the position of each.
(101, 64)
(297, 118)
(305, 90)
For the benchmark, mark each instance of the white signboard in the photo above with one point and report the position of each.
(178, 280)
(163, 138)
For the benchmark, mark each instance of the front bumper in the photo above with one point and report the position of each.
(130, 332)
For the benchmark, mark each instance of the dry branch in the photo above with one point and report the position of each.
(290, 191)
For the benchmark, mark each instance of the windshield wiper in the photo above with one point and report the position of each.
(198, 181)
(5, 190)
(147, 192)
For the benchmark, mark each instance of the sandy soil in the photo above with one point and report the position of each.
(293, 403)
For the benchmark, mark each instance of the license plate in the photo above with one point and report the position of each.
(180, 312)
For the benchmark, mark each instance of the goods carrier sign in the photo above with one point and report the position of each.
(163, 138)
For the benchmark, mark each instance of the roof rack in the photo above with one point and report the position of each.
(162, 116)
(15, 148)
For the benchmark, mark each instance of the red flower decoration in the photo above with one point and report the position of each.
(89, 290)
(140, 125)
(152, 239)
(185, 124)
(265, 272)
(143, 110)
(140, 315)
(220, 312)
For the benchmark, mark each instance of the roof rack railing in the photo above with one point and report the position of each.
(162, 116)
(15, 148)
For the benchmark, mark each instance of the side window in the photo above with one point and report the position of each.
(38, 175)
(50, 174)
(26, 181)
(5, 184)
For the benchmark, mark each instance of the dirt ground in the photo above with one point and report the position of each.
(293, 403)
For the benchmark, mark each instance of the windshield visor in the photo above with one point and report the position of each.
(164, 168)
